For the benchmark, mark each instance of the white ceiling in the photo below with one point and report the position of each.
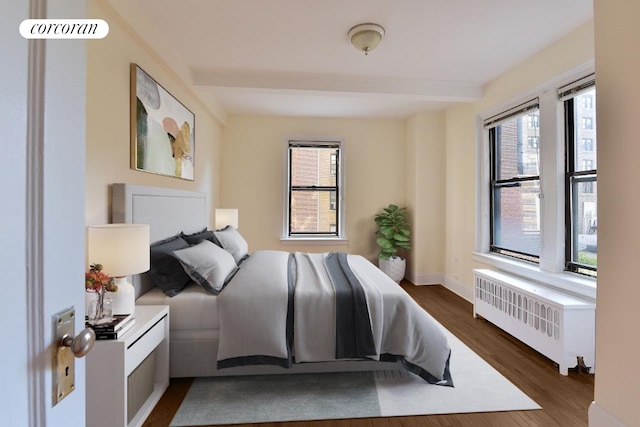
(292, 57)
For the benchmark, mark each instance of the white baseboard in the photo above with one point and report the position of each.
(459, 288)
(598, 417)
(425, 278)
(454, 285)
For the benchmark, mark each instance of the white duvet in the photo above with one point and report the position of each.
(255, 306)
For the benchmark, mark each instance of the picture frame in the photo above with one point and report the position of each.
(162, 129)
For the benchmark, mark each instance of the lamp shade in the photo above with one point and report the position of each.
(226, 217)
(122, 249)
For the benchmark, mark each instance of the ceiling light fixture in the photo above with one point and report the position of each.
(366, 37)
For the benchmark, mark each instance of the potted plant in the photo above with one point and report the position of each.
(393, 234)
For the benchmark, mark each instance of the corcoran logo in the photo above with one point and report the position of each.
(64, 28)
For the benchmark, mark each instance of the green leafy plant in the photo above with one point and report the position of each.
(393, 231)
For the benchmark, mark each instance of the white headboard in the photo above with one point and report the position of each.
(167, 211)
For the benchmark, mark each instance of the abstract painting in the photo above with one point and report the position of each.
(162, 129)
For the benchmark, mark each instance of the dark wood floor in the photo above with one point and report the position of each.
(564, 400)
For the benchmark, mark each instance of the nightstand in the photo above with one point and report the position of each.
(126, 377)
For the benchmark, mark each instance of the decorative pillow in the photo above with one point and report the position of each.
(165, 271)
(207, 264)
(233, 242)
(195, 238)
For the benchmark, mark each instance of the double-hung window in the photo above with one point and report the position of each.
(515, 182)
(314, 189)
(537, 182)
(581, 214)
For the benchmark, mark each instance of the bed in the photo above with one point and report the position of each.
(270, 311)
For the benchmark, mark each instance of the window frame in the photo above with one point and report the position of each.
(339, 237)
(587, 175)
(497, 182)
(551, 267)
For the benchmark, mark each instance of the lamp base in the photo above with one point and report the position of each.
(124, 300)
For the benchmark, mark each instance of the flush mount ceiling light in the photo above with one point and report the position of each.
(366, 37)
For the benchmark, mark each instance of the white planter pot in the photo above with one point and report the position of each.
(393, 267)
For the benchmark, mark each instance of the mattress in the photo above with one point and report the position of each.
(192, 309)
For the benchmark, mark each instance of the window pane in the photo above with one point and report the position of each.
(516, 216)
(585, 223)
(313, 211)
(313, 166)
(516, 205)
(517, 153)
(582, 242)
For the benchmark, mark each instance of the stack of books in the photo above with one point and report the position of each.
(113, 329)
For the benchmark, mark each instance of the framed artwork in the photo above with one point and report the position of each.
(162, 129)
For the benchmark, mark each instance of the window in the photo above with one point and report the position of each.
(588, 187)
(581, 183)
(587, 123)
(333, 201)
(515, 182)
(537, 204)
(334, 164)
(314, 187)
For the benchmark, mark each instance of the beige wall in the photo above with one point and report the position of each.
(460, 196)
(253, 173)
(108, 123)
(425, 177)
(617, 389)
(571, 51)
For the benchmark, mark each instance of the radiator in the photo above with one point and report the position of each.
(558, 325)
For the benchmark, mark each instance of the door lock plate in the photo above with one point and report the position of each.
(64, 365)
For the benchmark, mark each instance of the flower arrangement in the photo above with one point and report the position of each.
(95, 280)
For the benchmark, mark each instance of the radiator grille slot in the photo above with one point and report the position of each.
(525, 309)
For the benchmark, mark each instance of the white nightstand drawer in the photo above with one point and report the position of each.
(138, 350)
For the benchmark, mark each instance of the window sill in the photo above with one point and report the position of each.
(312, 241)
(573, 283)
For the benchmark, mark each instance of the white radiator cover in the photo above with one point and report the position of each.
(558, 325)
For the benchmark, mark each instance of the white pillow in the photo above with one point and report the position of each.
(207, 264)
(233, 242)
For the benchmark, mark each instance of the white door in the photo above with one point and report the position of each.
(42, 117)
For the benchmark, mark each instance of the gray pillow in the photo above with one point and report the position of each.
(166, 272)
(195, 238)
(207, 264)
(233, 242)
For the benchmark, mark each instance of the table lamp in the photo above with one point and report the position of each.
(226, 217)
(122, 249)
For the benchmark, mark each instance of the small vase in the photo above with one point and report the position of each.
(100, 309)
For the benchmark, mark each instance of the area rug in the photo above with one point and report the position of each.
(320, 396)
